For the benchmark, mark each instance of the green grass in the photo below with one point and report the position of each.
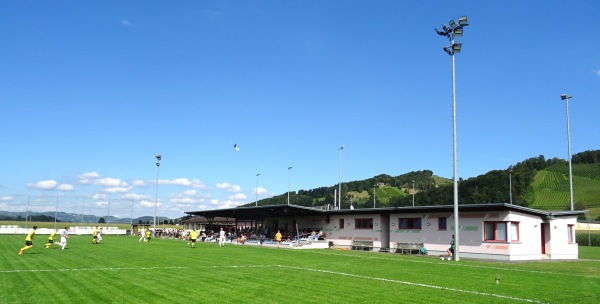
(122, 270)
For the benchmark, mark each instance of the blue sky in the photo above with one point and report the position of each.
(91, 91)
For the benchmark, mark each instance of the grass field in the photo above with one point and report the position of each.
(122, 270)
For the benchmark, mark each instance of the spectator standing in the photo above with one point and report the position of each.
(278, 238)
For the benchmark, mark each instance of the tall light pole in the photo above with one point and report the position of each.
(158, 158)
(256, 200)
(566, 98)
(452, 31)
(340, 179)
(510, 171)
(289, 169)
(413, 194)
(374, 196)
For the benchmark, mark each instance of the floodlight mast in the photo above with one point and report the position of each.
(455, 30)
(566, 98)
(158, 158)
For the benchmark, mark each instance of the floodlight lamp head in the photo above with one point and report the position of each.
(446, 28)
(342, 147)
(456, 47)
(565, 97)
(462, 20)
(458, 32)
(453, 24)
(158, 157)
(448, 50)
(158, 164)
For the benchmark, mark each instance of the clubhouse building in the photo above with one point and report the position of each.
(486, 231)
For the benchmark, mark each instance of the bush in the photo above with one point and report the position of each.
(586, 239)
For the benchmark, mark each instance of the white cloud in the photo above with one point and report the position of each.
(139, 183)
(229, 187)
(110, 182)
(126, 23)
(190, 192)
(145, 203)
(6, 198)
(196, 183)
(238, 197)
(43, 185)
(101, 203)
(65, 187)
(260, 190)
(88, 177)
(99, 196)
(598, 72)
(118, 189)
(186, 200)
(135, 197)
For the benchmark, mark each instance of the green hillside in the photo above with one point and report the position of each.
(550, 188)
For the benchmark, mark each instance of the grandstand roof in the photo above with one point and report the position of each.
(259, 212)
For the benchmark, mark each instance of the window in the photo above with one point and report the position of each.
(409, 223)
(514, 231)
(341, 223)
(571, 233)
(495, 231)
(363, 223)
(442, 223)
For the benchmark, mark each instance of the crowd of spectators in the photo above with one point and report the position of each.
(242, 235)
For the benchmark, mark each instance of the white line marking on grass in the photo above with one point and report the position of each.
(454, 264)
(412, 284)
(133, 268)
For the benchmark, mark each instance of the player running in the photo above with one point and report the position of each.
(28, 240)
(51, 238)
(63, 238)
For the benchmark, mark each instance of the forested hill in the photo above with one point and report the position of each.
(536, 182)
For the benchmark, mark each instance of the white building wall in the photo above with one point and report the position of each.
(472, 244)
(558, 247)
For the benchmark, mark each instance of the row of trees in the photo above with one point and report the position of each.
(492, 187)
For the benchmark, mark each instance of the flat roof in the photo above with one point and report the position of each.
(260, 212)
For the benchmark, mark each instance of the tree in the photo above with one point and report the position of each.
(101, 221)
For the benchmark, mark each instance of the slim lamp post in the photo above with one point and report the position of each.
(340, 179)
(256, 199)
(289, 169)
(374, 196)
(413, 194)
(566, 98)
(158, 158)
(510, 171)
(452, 31)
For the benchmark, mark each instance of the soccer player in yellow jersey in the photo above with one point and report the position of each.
(148, 236)
(51, 238)
(193, 237)
(28, 240)
(95, 236)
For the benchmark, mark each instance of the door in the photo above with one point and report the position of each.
(543, 227)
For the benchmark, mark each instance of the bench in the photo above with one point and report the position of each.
(408, 248)
(362, 245)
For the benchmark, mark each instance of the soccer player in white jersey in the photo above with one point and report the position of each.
(63, 238)
(142, 235)
(221, 238)
(100, 232)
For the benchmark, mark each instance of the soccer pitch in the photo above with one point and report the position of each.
(123, 270)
